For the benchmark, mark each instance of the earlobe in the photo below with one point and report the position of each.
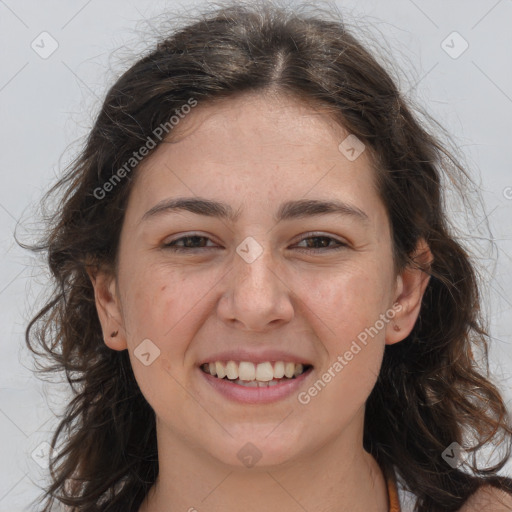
(411, 284)
(108, 308)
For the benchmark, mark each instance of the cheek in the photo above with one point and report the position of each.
(167, 305)
(347, 301)
(154, 300)
(353, 341)
(350, 321)
(156, 307)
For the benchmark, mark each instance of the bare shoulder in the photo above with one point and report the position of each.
(488, 499)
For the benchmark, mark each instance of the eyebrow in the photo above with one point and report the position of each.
(287, 211)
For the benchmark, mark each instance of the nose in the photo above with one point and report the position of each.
(257, 296)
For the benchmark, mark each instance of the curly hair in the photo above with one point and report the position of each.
(430, 391)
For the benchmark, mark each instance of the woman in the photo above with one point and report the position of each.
(258, 298)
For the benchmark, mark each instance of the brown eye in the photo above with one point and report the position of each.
(322, 242)
(190, 243)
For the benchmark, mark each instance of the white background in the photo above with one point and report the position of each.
(48, 104)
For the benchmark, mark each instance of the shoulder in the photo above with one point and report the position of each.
(488, 499)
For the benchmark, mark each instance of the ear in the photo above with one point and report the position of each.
(411, 284)
(108, 307)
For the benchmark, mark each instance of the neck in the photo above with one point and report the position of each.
(340, 477)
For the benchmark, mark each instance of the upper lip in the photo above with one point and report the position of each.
(253, 356)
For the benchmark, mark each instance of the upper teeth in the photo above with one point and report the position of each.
(245, 370)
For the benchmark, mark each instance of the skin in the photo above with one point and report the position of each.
(254, 152)
(488, 499)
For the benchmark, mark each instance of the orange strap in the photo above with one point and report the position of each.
(394, 503)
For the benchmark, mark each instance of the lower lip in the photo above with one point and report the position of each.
(256, 395)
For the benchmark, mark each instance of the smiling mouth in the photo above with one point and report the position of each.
(248, 374)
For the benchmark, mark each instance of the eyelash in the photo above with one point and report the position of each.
(175, 248)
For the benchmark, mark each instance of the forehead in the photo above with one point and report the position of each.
(255, 148)
(287, 128)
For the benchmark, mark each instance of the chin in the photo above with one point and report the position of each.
(257, 449)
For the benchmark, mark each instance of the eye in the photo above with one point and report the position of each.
(323, 242)
(194, 242)
(191, 243)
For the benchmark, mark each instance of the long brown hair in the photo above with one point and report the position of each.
(430, 391)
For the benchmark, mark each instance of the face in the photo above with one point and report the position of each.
(258, 286)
